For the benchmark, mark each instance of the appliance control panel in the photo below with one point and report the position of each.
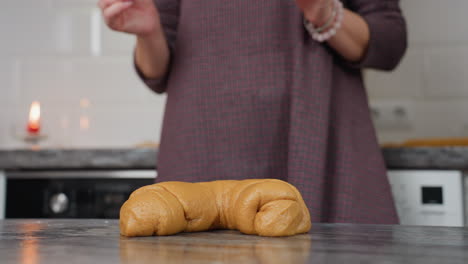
(428, 197)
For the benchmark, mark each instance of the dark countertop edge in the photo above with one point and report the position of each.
(74, 150)
(438, 158)
(443, 158)
(79, 158)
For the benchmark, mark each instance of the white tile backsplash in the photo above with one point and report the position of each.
(116, 127)
(5, 128)
(25, 4)
(105, 81)
(436, 22)
(434, 73)
(43, 79)
(33, 31)
(405, 82)
(105, 91)
(8, 82)
(446, 72)
(440, 119)
(116, 43)
(73, 3)
(65, 81)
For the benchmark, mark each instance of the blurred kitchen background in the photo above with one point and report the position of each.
(60, 53)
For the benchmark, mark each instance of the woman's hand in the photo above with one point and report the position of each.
(316, 11)
(351, 40)
(139, 17)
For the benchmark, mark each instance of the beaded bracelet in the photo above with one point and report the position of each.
(329, 21)
(323, 34)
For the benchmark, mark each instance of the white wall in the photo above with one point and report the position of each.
(60, 53)
(432, 81)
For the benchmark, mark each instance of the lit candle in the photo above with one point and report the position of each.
(34, 122)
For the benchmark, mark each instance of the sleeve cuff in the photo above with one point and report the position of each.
(158, 85)
(385, 48)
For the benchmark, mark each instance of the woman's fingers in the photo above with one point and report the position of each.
(103, 4)
(114, 9)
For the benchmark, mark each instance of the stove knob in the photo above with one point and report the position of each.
(58, 203)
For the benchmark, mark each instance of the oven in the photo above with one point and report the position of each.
(71, 194)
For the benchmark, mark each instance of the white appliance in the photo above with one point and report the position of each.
(429, 197)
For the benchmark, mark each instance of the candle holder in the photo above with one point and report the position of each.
(34, 139)
(30, 140)
(30, 131)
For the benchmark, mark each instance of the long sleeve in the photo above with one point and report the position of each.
(169, 15)
(388, 36)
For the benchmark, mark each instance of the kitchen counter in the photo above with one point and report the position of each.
(445, 158)
(98, 241)
(450, 158)
(63, 159)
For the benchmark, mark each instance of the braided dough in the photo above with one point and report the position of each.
(265, 207)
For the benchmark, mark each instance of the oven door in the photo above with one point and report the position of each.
(71, 194)
(2, 194)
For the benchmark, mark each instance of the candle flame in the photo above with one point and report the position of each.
(35, 112)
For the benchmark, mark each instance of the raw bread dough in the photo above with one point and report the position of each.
(265, 207)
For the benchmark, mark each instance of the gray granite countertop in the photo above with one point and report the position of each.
(56, 159)
(98, 241)
(145, 158)
(455, 158)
